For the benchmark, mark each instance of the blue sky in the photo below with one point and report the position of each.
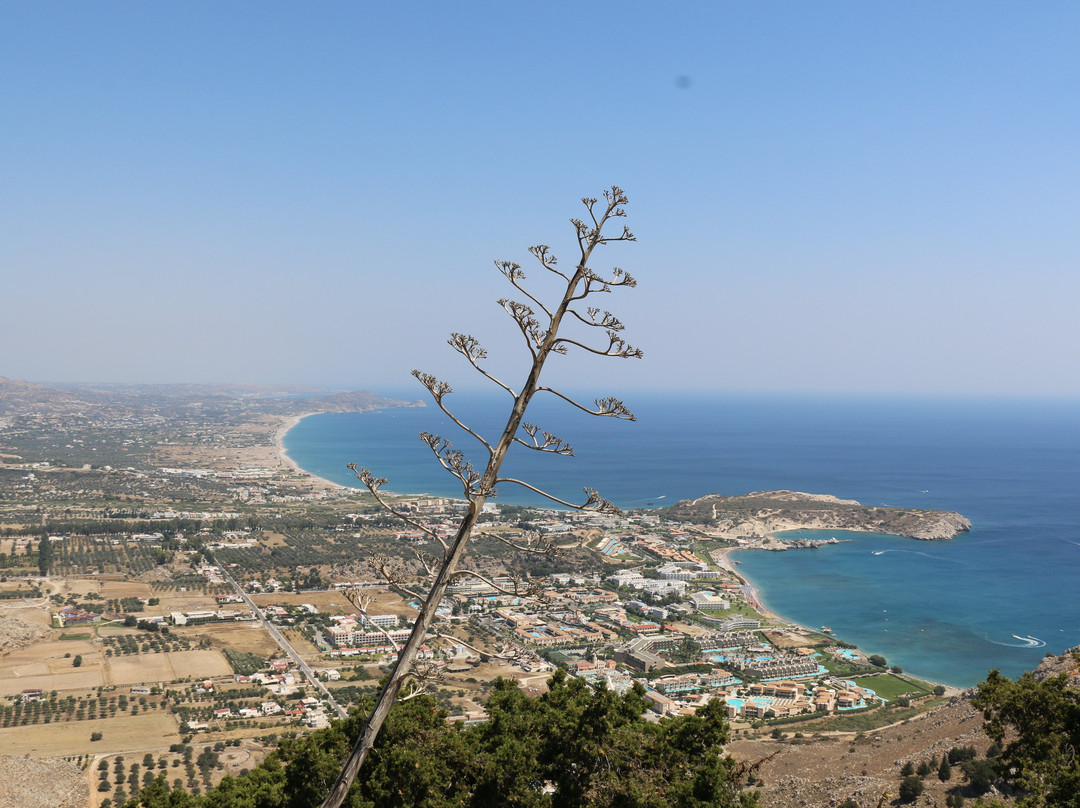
(829, 197)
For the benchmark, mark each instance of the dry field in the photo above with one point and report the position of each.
(228, 458)
(16, 546)
(301, 644)
(787, 639)
(827, 770)
(124, 589)
(689, 629)
(174, 601)
(167, 667)
(110, 629)
(35, 615)
(43, 665)
(81, 586)
(125, 734)
(15, 586)
(334, 602)
(249, 637)
(331, 602)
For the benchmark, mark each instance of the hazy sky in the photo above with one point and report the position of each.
(829, 197)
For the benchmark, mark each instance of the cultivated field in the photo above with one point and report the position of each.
(43, 665)
(167, 667)
(120, 734)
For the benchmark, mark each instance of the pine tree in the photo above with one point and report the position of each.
(944, 771)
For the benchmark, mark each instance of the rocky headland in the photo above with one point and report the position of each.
(762, 514)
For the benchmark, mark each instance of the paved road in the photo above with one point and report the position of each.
(288, 649)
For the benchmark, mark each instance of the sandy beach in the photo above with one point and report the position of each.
(279, 444)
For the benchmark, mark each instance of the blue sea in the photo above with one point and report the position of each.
(1001, 596)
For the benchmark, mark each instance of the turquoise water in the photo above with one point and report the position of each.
(944, 610)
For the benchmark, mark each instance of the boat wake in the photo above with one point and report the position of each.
(918, 553)
(1022, 642)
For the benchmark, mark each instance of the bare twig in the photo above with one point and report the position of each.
(541, 341)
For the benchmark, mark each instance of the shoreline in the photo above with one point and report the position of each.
(758, 602)
(722, 558)
(278, 440)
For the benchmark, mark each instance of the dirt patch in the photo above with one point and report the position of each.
(184, 602)
(27, 782)
(156, 575)
(35, 613)
(330, 601)
(140, 669)
(233, 759)
(787, 639)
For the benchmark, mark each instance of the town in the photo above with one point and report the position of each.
(189, 616)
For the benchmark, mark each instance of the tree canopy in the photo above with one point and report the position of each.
(574, 747)
(1037, 724)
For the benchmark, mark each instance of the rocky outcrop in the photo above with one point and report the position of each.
(765, 513)
(14, 633)
(27, 782)
(779, 545)
(1068, 663)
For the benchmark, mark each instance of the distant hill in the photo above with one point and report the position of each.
(19, 397)
(24, 398)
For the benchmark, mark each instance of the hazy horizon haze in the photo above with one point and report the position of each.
(843, 198)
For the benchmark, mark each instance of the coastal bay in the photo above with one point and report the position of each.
(1010, 467)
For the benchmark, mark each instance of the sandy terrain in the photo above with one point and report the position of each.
(335, 602)
(787, 639)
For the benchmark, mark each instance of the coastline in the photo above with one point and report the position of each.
(722, 558)
(758, 602)
(278, 440)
